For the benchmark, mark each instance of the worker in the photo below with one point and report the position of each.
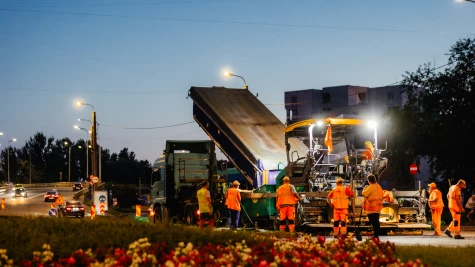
(388, 196)
(369, 151)
(338, 200)
(436, 206)
(470, 206)
(286, 199)
(373, 203)
(233, 201)
(205, 208)
(454, 197)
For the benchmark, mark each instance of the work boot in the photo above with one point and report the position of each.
(447, 232)
(459, 237)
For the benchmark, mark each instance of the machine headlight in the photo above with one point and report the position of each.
(22, 193)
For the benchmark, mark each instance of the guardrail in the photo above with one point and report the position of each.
(42, 185)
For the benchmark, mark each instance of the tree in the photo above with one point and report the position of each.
(441, 115)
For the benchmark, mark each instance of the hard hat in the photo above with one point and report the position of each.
(286, 179)
(339, 180)
(236, 183)
(432, 185)
(368, 143)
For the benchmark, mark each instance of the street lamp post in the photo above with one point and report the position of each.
(8, 157)
(87, 150)
(231, 74)
(93, 139)
(69, 161)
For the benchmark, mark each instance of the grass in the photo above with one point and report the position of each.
(438, 256)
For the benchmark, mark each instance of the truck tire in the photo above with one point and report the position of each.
(189, 217)
(157, 217)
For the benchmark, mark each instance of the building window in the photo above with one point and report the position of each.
(362, 98)
(294, 99)
(293, 114)
(390, 96)
(326, 98)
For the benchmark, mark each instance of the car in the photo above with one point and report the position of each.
(51, 195)
(18, 186)
(19, 192)
(8, 183)
(72, 208)
(77, 186)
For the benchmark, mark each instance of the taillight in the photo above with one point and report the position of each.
(68, 208)
(198, 212)
(81, 208)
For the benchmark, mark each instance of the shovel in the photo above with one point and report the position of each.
(358, 230)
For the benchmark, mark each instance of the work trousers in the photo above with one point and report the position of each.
(436, 219)
(287, 213)
(340, 217)
(234, 219)
(374, 221)
(456, 220)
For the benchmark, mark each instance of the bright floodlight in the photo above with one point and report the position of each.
(319, 123)
(76, 127)
(372, 124)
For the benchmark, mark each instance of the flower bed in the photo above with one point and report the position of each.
(303, 251)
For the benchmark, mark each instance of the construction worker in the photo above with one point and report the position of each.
(454, 197)
(436, 206)
(373, 203)
(369, 151)
(205, 208)
(286, 199)
(338, 200)
(233, 201)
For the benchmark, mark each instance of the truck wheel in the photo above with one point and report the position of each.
(189, 217)
(157, 217)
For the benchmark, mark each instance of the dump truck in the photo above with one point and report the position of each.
(177, 174)
(258, 143)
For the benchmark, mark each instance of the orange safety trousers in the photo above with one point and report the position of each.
(340, 217)
(455, 224)
(287, 213)
(436, 219)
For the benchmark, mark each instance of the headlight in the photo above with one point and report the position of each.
(22, 193)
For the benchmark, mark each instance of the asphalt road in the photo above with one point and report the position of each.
(34, 204)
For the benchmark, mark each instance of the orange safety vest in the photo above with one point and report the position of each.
(374, 202)
(439, 203)
(339, 197)
(388, 196)
(233, 198)
(454, 191)
(202, 201)
(368, 153)
(285, 196)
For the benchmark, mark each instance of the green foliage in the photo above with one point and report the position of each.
(437, 256)
(21, 236)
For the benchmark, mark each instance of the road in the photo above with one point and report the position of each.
(34, 204)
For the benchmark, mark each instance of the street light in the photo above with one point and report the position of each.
(79, 103)
(231, 74)
(87, 150)
(8, 157)
(1, 133)
(69, 161)
(459, 1)
(85, 120)
(93, 138)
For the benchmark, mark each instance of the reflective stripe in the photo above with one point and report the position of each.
(374, 202)
(340, 199)
(285, 196)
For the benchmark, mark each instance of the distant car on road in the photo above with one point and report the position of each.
(51, 195)
(18, 186)
(19, 192)
(8, 183)
(77, 186)
(72, 208)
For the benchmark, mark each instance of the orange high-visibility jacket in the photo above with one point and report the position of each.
(233, 199)
(454, 192)
(285, 196)
(439, 203)
(368, 153)
(388, 196)
(373, 201)
(339, 196)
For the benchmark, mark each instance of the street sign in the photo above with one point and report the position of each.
(413, 168)
(53, 212)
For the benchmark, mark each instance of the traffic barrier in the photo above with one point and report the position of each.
(93, 212)
(138, 210)
(3, 203)
(102, 208)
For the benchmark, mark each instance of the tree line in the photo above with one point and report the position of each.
(47, 160)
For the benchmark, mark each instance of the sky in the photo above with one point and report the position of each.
(135, 61)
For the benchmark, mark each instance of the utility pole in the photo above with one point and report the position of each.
(8, 164)
(69, 165)
(100, 163)
(94, 145)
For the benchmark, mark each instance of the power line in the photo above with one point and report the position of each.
(90, 92)
(69, 52)
(144, 128)
(135, 4)
(213, 21)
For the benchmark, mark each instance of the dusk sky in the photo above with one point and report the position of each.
(135, 61)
